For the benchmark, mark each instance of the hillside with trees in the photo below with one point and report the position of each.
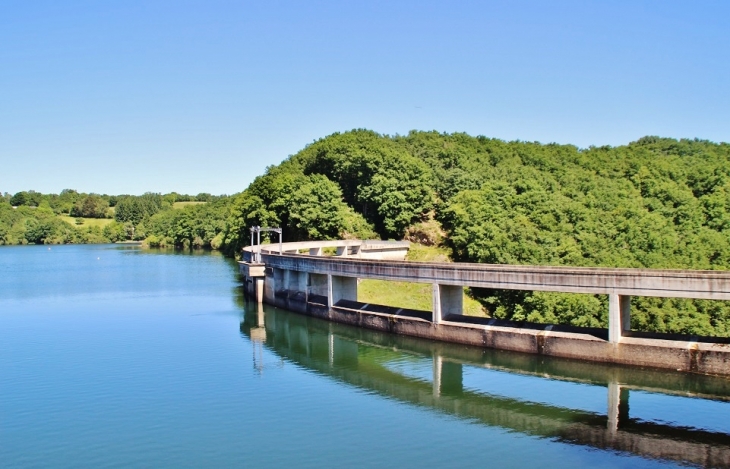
(654, 203)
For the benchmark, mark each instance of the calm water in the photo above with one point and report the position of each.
(114, 356)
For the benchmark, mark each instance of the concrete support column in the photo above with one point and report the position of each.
(342, 251)
(447, 299)
(315, 251)
(318, 284)
(625, 304)
(286, 279)
(340, 288)
(619, 316)
(302, 281)
(259, 289)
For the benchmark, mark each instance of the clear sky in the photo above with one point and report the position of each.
(131, 96)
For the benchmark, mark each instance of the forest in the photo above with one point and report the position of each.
(29, 217)
(653, 203)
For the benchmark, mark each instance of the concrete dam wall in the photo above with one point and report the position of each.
(301, 278)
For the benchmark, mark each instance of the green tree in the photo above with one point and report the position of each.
(91, 206)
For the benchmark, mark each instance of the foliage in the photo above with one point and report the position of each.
(73, 217)
(134, 209)
(654, 203)
(91, 206)
(388, 186)
(193, 226)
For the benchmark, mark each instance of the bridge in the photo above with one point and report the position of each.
(320, 278)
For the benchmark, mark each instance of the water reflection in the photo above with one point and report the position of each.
(543, 397)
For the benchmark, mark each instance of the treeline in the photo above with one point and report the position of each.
(654, 203)
(30, 217)
(79, 204)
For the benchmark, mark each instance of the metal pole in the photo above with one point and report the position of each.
(251, 230)
(280, 241)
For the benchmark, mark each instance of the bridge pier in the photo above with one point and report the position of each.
(340, 288)
(447, 299)
(619, 316)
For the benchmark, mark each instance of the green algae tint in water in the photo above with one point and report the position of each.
(118, 356)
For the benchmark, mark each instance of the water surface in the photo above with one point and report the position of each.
(117, 356)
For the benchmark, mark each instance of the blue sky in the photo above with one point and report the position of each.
(132, 96)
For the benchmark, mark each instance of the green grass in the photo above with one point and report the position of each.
(400, 294)
(420, 253)
(100, 222)
(412, 295)
(408, 295)
(179, 205)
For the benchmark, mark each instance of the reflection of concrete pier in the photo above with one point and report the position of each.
(298, 277)
(360, 357)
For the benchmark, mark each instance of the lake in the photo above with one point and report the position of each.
(119, 356)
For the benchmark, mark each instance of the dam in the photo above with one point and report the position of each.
(320, 278)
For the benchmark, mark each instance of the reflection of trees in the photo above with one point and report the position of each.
(359, 358)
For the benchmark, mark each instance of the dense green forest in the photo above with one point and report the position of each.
(654, 203)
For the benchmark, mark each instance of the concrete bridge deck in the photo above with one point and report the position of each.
(326, 286)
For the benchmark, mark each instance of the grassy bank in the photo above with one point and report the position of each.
(91, 222)
(413, 295)
(181, 205)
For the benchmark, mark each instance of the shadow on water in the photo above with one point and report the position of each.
(363, 358)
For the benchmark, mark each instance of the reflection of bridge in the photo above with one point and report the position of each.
(326, 287)
(337, 351)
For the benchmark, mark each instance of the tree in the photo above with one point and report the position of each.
(134, 209)
(91, 206)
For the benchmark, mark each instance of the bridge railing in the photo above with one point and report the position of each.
(356, 259)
